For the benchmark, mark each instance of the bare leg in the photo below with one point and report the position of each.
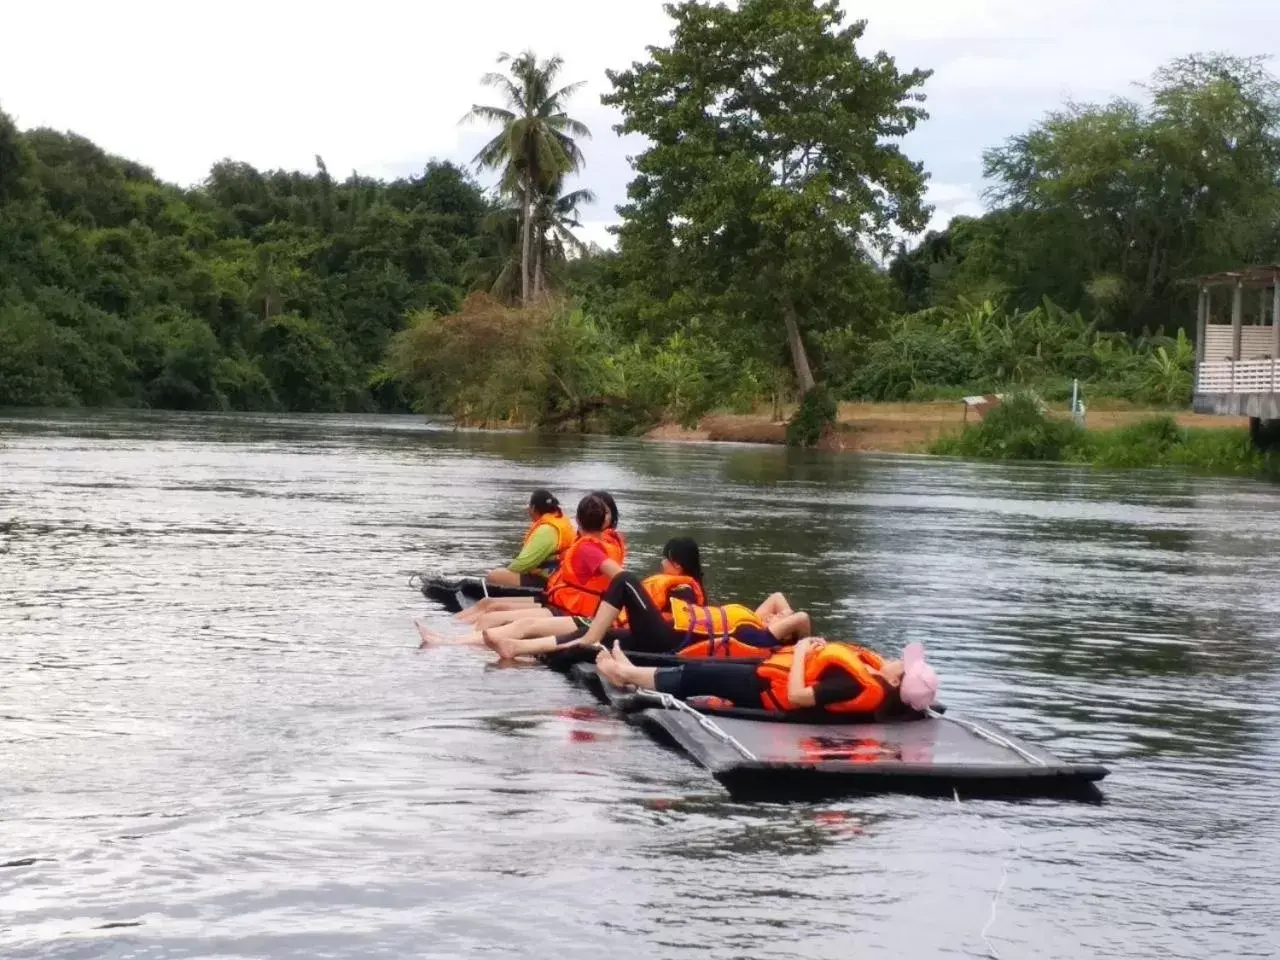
(620, 671)
(502, 577)
(532, 628)
(489, 604)
(525, 647)
(606, 615)
(775, 606)
(500, 618)
(433, 639)
(792, 627)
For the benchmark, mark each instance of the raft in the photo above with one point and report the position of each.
(757, 755)
(455, 595)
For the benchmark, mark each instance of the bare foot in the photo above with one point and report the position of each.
(620, 657)
(505, 649)
(429, 639)
(609, 668)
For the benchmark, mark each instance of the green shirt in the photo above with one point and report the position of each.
(540, 548)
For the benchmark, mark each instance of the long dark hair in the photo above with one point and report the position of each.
(610, 503)
(592, 513)
(685, 552)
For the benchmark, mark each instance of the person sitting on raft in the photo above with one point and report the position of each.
(689, 629)
(680, 579)
(613, 539)
(574, 589)
(814, 675)
(549, 535)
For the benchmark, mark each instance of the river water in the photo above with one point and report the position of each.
(217, 738)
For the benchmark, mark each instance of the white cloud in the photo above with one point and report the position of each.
(379, 86)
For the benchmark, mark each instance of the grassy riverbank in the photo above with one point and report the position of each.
(917, 427)
(1020, 430)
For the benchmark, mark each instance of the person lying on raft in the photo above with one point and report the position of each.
(549, 535)
(574, 589)
(688, 629)
(610, 535)
(681, 578)
(835, 678)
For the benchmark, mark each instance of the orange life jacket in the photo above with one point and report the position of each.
(614, 537)
(709, 631)
(576, 597)
(659, 588)
(858, 662)
(565, 535)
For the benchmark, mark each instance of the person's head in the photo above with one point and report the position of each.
(681, 557)
(611, 504)
(912, 677)
(593, 514)
(542, 502)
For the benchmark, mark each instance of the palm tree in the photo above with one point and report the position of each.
(536, 146)
(555, 217)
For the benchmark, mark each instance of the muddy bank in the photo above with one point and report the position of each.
(895, 427)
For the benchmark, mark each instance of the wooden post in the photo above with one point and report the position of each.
(1202, 326)
(1275, 332)
(1275, 321)
(1237, 320)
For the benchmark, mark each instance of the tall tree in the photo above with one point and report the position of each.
(555, 217)
(536, 146)
(1143, 193)
(774, 164)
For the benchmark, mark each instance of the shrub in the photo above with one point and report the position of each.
(1017, 429)
(816, 413)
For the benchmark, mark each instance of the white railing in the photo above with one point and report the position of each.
(1240, 376)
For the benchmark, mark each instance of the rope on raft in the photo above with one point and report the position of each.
(990, 737)
(671, 703)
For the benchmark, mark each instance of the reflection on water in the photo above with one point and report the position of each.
(218, 738)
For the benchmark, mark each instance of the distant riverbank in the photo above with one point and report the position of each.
(906, 427)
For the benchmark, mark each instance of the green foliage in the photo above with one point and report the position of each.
(555, 365)
(1017, 429)
(1020, 429)
(774, 159)
(816, 414)
(984, 347)
(1105, 207)
(534, 151)
(256, 291)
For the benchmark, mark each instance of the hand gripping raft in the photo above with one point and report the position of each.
(760, 757)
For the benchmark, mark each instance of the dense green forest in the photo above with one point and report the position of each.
(760, 250)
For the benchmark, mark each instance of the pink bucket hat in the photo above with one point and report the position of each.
(919, 688)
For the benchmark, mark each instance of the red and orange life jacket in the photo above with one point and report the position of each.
(709, 631)
(659, 588)
(565, 535)
(576, 597)
(858, 662)
(614, 536)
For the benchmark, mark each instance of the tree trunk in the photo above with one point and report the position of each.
(526, 244)
(799, 359)
(539, 281)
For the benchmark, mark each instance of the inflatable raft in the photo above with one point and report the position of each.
(757, 755)
(455, 595)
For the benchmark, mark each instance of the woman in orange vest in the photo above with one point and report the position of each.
(731, 630)
(573, 590)
(814, 675)
(549, 535)
(679, 581)
(478, 613)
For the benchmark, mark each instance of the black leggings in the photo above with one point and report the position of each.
(649, 633)
(736, 682)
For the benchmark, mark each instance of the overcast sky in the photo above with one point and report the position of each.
(379, 86)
